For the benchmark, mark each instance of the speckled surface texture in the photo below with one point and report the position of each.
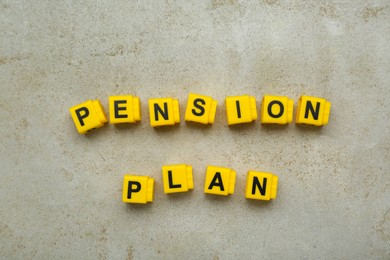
(60, 192)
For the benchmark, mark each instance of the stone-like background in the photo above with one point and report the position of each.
(60, 192)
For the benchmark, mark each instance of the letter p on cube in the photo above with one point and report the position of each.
(137, 189)
(88, 115)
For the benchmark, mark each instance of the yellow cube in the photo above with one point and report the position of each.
(261, 185)
(177, 178)
(219, 181)
(200, 109)
(240, 109)
(137, 189)
(164, 111)
(313, 111)
(88, 115)
(276, 110)
(124, 109)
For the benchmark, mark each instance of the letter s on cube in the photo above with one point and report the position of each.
(200, 109)
(88, 115)
(137, 189)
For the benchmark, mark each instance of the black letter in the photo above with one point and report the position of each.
(117, 108)
(130, 188)
(217, 177)
(270, 109)
(79, 116)
(163, 113)
(238, 109)
(171, 185)
(256, 183)
(309, 106)
(196, 101)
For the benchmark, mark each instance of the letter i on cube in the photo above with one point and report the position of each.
(240, 109)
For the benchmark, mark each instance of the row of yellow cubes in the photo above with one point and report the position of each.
(201, 109)
(218, 181)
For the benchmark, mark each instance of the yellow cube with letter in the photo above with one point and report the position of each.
(124, 109)
(219, 180)
(137, 189)
(261, 185)
(200, 109)
(276, 110)
(177, 178)
(164, 111)
(88, 115)
(313, 111)
(240, 109)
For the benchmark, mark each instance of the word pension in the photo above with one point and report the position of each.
(218, 181)
(201, 109)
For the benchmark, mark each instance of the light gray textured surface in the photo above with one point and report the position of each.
(60, 192)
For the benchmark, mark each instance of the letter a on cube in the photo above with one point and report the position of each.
(137, 189)
(124, 109)
(177, 178)
(313, 111)
(200, 109)
(88, 115)
(219, 181)
(240, 109)
(276, 110)
(261, 185)
(164, 111)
